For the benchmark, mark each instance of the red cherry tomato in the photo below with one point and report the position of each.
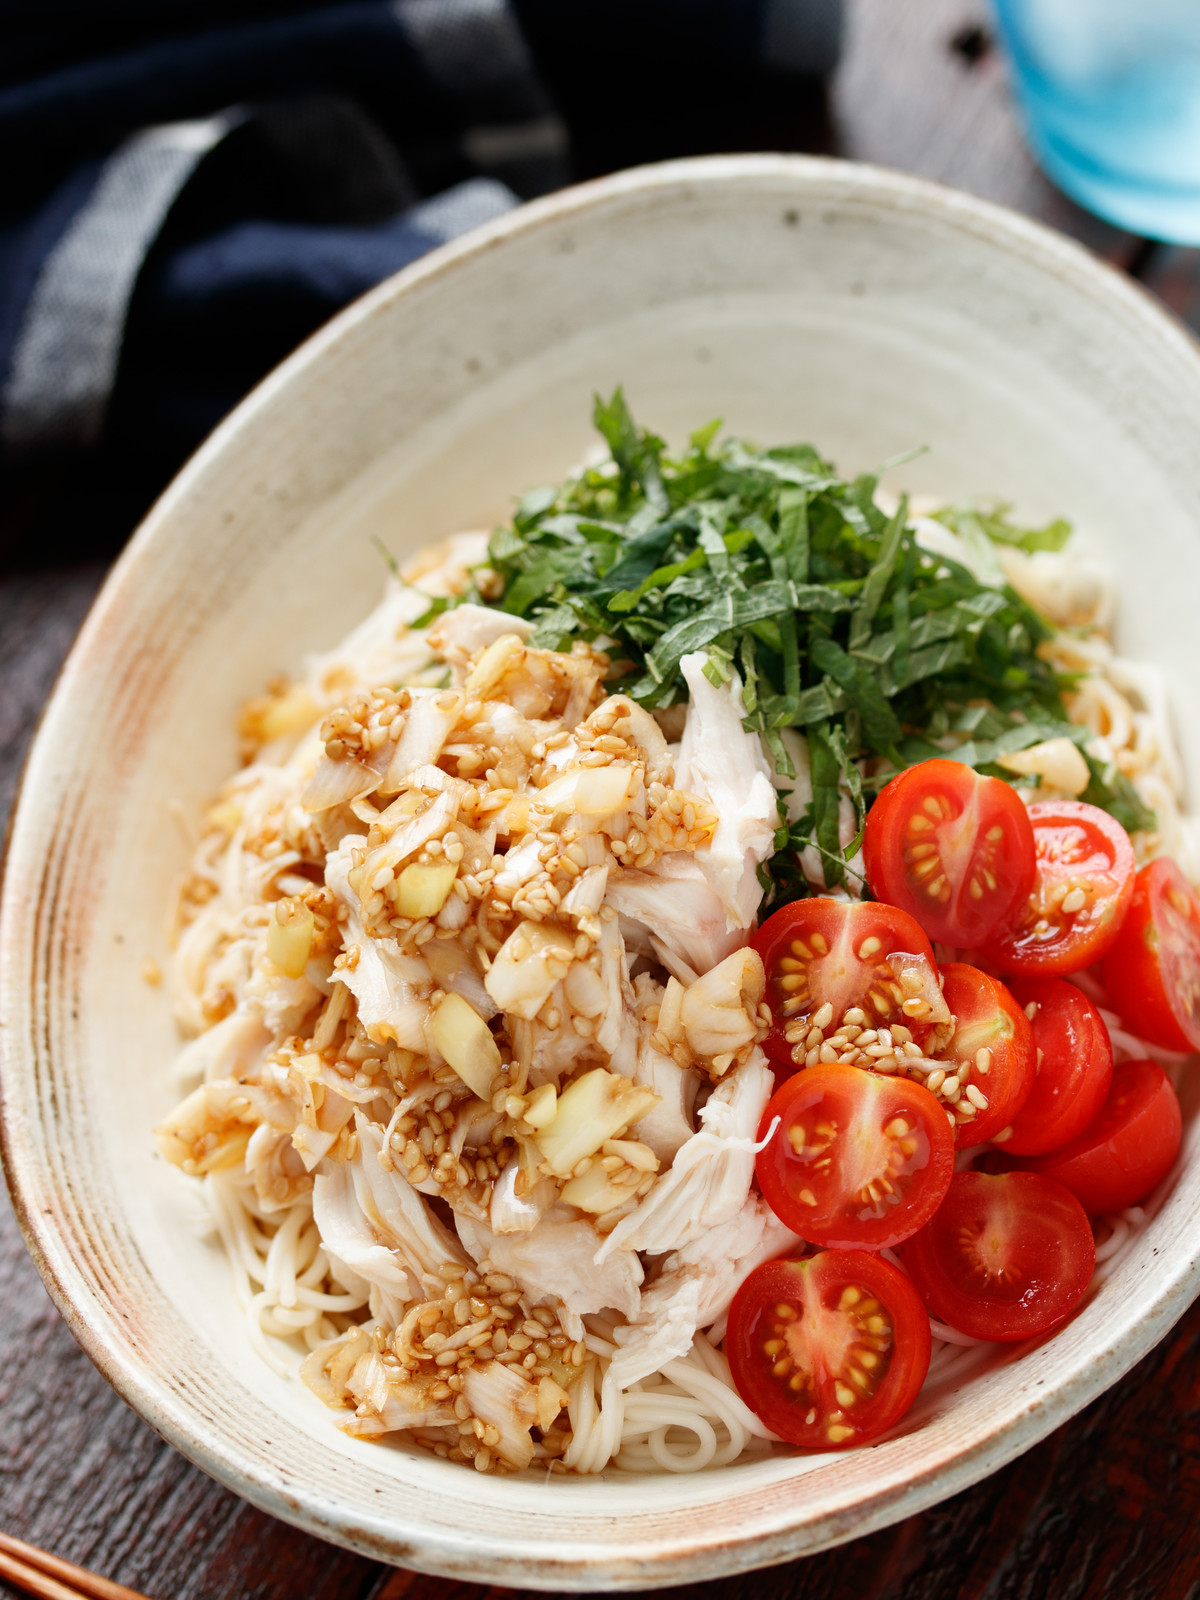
(1006, 1257)
(1074, 1067)
(951, 848)
(1080, 895)
(992, 1048)
(1127, 1150)
(829, 1351)
(1152, 972)
(857, 1160)
(840, 955)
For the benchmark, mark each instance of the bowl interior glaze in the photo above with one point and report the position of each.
(795, 298)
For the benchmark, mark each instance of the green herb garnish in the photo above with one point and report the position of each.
(838, 622)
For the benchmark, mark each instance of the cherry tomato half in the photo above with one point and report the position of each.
(1007, 1256)
(828, 1351)
(1152, 972)
(1080, 895)
(951, 848)
(1074, 1066)
(993, 1050)
(837, 955)
(1127, 1150)
(858, 1160)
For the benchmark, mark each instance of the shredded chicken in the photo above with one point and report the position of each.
(467, 939)
(695, 1286)
(556, 1261)
(720, 760)
(710, 1177)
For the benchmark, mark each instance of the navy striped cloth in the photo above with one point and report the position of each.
(192, 186)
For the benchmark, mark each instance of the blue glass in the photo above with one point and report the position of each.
(1110, 91)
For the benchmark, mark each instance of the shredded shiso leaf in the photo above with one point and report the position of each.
(839, 623)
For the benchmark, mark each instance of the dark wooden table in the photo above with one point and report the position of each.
(1106, 1507)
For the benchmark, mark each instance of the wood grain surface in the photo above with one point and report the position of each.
(1105, 1509)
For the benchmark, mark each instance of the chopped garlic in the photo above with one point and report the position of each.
(718, 1010)
(289, 937)
(423, 887)
(527, 966)
(591, 791)
(1058, 762)
(465, 1040)
(598, 1191)
(596, 1107)
(290, 712)
(500, 657)
(539, 1108)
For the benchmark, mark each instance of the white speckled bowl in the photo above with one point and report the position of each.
(795, 298)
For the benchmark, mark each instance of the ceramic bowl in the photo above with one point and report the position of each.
(796, 298)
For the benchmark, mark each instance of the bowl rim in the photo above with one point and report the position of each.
(530, 1564)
